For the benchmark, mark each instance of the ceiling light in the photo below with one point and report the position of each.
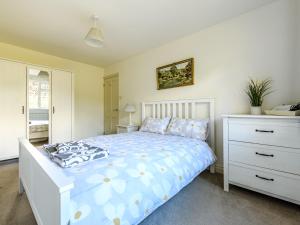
(94, 37)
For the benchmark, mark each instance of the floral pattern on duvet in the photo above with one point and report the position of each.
(143, 171)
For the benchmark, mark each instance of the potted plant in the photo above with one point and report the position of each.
(256, 91)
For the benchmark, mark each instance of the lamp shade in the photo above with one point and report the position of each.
(130, 108)
(94, 38)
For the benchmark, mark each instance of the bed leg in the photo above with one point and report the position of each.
(21, 187)
(212, 168)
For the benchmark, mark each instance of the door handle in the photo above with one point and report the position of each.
(53, 109)
(23, 109)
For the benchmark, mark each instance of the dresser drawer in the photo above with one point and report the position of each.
(269, 133)
(271, 157)
(261, 179)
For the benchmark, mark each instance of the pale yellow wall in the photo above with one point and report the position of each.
(88, 86)
(257, 44)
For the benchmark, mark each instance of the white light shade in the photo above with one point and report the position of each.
(94, 38)
(130, 108)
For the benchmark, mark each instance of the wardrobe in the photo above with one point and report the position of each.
(14, 118)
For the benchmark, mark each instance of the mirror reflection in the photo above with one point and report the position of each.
(38, 102)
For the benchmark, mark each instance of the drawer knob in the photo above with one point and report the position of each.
(264, 131)
(264, 178)
(262, 154)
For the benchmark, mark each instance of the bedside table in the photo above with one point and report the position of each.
(126, 128)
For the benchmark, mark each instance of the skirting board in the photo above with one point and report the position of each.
(9, 161)
(219, 168)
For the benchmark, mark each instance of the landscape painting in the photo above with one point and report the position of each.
(177, 74)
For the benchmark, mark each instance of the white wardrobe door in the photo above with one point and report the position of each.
(61, 93)
(12, 112)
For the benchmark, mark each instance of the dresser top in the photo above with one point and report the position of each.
(260, 116)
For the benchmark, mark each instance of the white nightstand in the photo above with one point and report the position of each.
(126, 128)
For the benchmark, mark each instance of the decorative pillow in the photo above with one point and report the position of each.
(189, 128)
(155, 125)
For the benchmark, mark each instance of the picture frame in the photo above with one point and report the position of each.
(177, 74)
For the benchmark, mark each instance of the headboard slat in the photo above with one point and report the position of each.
(180, 110)
(174, 114)
(168, 109)
(163, 110)
(158, 110)
(186, 110)
(153, 111)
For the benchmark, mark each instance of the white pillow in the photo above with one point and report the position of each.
(155, 125)
(189, 128)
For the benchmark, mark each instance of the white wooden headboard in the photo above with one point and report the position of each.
(189, 109)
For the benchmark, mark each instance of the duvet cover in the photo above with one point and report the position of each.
(142, 172)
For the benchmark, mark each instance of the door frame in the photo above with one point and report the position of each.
(114, 75)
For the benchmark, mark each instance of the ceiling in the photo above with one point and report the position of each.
(58, 27)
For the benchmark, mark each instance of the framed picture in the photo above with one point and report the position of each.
(177, 74)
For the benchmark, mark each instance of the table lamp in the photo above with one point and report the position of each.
(130, 108)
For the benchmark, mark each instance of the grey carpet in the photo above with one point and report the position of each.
(203, 202)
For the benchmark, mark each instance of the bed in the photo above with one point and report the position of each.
(38, 130)
(143, 171)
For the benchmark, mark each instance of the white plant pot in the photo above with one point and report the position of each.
(256, 110)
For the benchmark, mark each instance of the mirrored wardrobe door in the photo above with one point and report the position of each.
(38, 106)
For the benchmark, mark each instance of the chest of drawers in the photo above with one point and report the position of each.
(262, 153)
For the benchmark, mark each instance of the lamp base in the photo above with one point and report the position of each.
(130, 123)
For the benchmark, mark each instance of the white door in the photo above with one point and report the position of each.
(111, 104)
(12, 112)
(61, 120)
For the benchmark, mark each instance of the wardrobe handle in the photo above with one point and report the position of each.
(53, 109)
(262, 154)
(264, 178)
(23, 109)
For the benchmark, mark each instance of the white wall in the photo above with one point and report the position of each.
(88, 86)
(258, 44)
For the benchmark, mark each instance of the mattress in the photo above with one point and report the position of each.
(38, 126)
(143, 171)
(38, 129)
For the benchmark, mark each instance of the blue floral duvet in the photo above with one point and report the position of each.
(142, 172)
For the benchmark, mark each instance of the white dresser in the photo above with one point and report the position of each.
(262, 153)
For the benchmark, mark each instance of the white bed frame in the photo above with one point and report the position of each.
(48, 190)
